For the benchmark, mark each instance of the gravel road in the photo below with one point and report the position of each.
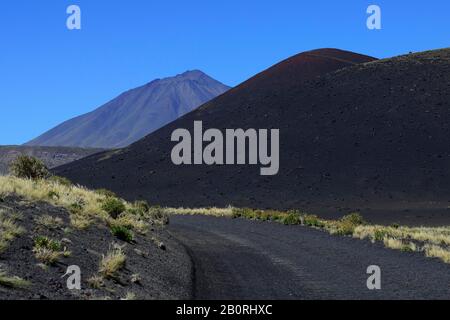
(240, 259)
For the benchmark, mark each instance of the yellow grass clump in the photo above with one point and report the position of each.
(12, 281)
(9, 229)
(81, 202)
(113, 261)
(433, 251)
(85, 206)
(216, 212)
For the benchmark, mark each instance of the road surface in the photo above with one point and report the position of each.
(240, 259)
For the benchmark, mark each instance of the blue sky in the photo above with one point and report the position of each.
(49, 74)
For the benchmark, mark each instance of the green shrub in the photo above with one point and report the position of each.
(26, 167)
(407, 248)
(113, 206)
(345, 228)
(292, 219)
(236, 213)
(354, 218)
(122, 233)
(242, 212)
(348, 223)
(49, 251)
(76, 207)
(42, 242)
(379, 235)
(264, 216)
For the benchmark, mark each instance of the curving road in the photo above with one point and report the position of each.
(240, 259)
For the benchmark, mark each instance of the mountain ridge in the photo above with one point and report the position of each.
(134, 113)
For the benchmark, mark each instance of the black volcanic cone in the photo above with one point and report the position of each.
(354, 133)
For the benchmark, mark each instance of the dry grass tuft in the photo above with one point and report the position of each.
(96, 282)
(433, 251)
(49, 221)
(113, 261)
(216, 212)
(9, 229)
(49, 251)
(12, 282)
(85, 206)
(130, 296)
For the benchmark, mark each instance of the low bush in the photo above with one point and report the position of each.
(113, 206)
(48, 251)
(379, 235)
(27, 167)
(45, 242)
(346, 226)
(122, 233)
(292, 218)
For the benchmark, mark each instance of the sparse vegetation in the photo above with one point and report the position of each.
(29, 168)
(130, 296)
(292, 218)
(122, 233)
(106, 193)
(346, 225)
(136, 278)
(434, 251)
(435, 242)
(113, 206)
(44, 242)
(113, 261)
(48, 251)
(9, 229)
(312, 220)
(86, 206)
(96, 282)
(60, 181)
(49, 221)
(217, 212)
(13, 282)
(74, 208)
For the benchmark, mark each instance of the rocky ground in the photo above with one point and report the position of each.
(156, 267)
(241, 259)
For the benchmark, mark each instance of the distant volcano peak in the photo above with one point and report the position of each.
(136, 113)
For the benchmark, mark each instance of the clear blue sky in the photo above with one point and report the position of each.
(49, 74)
